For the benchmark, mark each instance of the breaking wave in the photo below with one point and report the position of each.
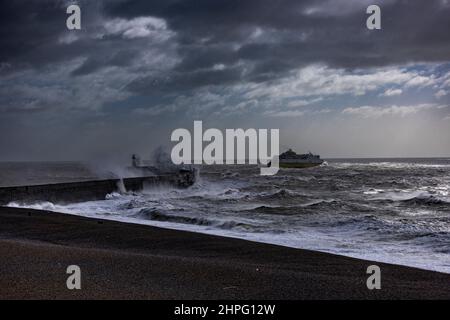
(157, 215)
(426, 200)
(416, 199)
(42, 205)
(279, 195)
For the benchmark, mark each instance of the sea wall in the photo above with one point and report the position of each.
(91, 190)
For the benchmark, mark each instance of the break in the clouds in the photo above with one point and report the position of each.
(138, 69)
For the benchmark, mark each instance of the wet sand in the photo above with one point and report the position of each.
(126, 261)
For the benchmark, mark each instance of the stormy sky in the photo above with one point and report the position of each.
(138, 69)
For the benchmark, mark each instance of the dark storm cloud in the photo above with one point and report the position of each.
(19, 20)
(33, 35)
(408, 26)
(30, 33)
(294, 33)
(256, 39)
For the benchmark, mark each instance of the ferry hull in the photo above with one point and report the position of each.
(299, 165)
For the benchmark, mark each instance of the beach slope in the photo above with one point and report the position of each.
(126, 261)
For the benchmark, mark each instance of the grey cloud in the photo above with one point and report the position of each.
(293, 34)
(179, 82)
(121, 58)
(264, 39)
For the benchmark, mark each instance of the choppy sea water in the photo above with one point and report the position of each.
(387, 210)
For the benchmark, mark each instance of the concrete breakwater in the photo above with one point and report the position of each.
(91, 190)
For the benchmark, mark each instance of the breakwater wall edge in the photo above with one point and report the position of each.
(91, 190)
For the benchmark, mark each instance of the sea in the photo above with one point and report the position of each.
(387, 210)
